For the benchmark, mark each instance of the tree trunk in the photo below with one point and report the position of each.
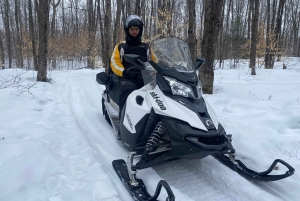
(254, 35)
(2, 54)
(192, 28)
(53, 23)
(92, 25)
(267, 53)
(138, 7)
(43, 22)
(31, 31)
(128, 8)
(107, 36)
(278, 29)
(6, 22)
(212, 17)
(19, 59)
(117, 23)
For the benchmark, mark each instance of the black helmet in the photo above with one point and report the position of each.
(133, 20)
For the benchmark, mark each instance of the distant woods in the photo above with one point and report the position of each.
(35, 31)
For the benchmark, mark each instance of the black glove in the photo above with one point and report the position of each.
(130, 73)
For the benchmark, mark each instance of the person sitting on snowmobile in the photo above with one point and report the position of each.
(129, 79)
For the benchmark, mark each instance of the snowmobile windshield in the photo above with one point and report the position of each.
(172, 53)
(149, 75)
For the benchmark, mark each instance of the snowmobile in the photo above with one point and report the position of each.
(169, 119)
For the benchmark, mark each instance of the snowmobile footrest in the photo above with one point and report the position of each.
(139, 191)
(251, 175)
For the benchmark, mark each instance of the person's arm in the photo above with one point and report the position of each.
(116, 62)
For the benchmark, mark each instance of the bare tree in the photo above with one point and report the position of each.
(53, 25)
(107, 34)
(274, 35)
(32, 37)
(18, 34)
(192, 28)
(43, 22)
(212, 17)
(5, 8)
(254, 35)
(117, 22)
(92, 25)
(2, 54)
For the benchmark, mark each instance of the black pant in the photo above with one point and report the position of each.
(126, 87)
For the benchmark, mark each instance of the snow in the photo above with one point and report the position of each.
(55, 145)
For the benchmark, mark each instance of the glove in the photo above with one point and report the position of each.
(130, 73)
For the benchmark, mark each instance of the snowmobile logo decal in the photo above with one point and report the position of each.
(129, 121)
(158, 101)
(209, 123)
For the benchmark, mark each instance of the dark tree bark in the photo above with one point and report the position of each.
(117, 23)
(6, 21)
(53, 27)
(278, 29)
(267, 54)
(43, 23)
(101, 29)
(92, 25)
(138, 8)
(2, 53)
(212, 17)
(254, 35)
(128, 8)
(31, 31)
(18, 34)
(107, 34)
(192, 28)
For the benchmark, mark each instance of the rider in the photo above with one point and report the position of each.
(129, 79)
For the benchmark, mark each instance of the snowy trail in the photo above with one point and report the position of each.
(87, 109)
(204, 179)
(103, 157)
(55, 145)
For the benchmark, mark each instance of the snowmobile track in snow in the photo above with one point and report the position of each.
(103, 157)
(192, 178)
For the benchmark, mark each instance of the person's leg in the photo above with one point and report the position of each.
(126, 87)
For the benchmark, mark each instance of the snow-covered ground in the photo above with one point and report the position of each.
(55, 145)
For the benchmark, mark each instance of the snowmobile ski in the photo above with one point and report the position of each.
(138, 190)
(240, 168)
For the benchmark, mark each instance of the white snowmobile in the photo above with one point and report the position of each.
(169, 117)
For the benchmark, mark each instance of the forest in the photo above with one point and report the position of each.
(40, 34)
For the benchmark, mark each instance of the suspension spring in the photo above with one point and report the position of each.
(155, 136)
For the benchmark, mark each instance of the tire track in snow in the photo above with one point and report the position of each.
(185, 176)
(200, 180)
(103, 157)
(104, 151)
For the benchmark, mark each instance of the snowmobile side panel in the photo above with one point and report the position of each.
(138, 191)
(130, 140)
(212, 114)
(135, 109)
(164, 106)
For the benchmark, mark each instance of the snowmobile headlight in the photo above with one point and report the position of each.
(179, 88)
